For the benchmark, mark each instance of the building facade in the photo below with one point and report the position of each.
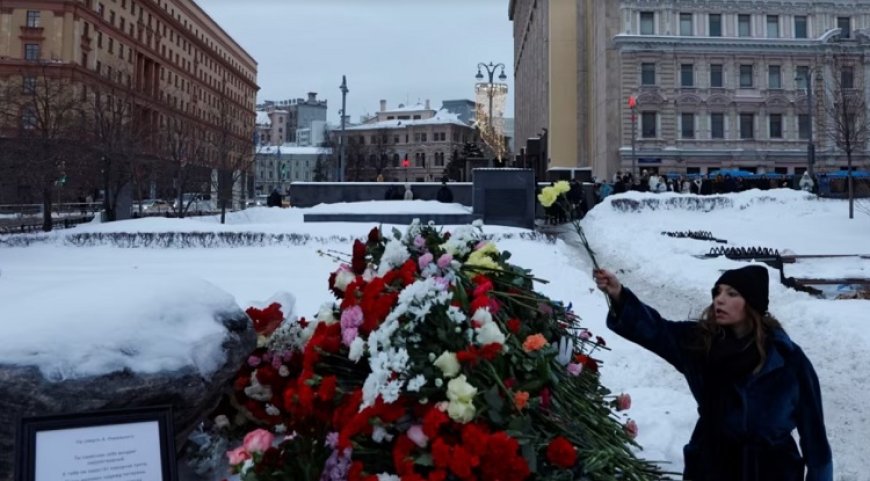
(279, 166)
(407, 143)
(288, 116)
(716, 84)
(166, 57)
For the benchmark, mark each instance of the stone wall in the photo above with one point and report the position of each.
(308, 194)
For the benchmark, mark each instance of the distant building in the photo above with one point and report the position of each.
(427, 139)
(287, 116)
(716, 84)
(464, 108)
(276, 167)
(312, 136)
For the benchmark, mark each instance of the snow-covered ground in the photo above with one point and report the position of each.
(52, 285)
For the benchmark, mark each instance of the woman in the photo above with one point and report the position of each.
(753, 385)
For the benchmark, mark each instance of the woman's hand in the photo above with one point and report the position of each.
(607, 282)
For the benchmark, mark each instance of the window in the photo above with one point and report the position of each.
(745, 76)
(803, 126)
(31, 51)
(28, 83)
(773, 26)
(774, 77)
(715, 25)
(28, 118)
(845, 26)
(775, 126)
(717, 125)
(800, 26)
(847, 77)
(33, 19)
(687, 75)
(647, 74)
(424, 140)
(747, 126)
(744, 25)
(802, 74)
(716, 76)
(686, 28)
(648, 125)
(647, 23)
(687, 125)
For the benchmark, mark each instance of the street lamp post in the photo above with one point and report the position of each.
(811, 147)
(632, 104)
(341, 140)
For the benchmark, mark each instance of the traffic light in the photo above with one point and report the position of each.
(406, 162)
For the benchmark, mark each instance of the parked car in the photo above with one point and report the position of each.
(153, 206)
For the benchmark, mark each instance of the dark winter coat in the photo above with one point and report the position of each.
(759, 412)
(444, 195)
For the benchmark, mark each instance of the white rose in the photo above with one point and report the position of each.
(460, 390)
(343, 278)
(481, 317)
(461, 412)
(489, 333)
(448, 363)
(325, 314)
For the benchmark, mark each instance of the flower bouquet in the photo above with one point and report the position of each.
(437, 361)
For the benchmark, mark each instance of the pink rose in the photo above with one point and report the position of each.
(258, 441)
(631, 428)
(238, 456)
(623, 402)
(352, 317)
(419, 241)
(575, 368)
(425, 260)
(349, 335)
(415, 434)
(253, 361)
(445, 260)
(585, 335)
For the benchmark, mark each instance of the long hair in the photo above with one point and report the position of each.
(761, 326)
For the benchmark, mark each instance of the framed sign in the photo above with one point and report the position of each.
(129, 444)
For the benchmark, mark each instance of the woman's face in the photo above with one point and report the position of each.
(729, 307)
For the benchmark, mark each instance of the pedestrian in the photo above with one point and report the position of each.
(274, 199)
(444, 194)
(409, 194)
(752, 383)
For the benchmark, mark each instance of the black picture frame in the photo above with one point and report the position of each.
(29, 427)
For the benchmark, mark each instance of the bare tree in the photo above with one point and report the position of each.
(183, 146)
(845, 107)
(231, 149)
(379, 152)
(41, 116)
(117, 141)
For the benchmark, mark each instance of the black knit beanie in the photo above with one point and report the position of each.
(751, 282)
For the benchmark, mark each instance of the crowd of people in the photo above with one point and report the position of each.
(700, 185)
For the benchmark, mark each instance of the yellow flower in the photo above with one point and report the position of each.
(547, 196)
(479, 258)
(562, 187)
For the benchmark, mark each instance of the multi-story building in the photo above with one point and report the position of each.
(168, 57)
(716, 84)
(278, 166)
(287, 116)
(408, 143)
(465, 109)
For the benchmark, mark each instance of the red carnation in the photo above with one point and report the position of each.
(587, 362)
(358, 263)
(561, 453)
(327, 388)
(432, 422)
(513, 325)
(374, 236)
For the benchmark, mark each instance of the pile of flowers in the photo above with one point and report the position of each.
(437, 361)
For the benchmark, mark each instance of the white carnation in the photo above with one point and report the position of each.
(357, 349)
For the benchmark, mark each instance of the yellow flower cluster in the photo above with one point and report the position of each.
(549, 194)
(483, 257)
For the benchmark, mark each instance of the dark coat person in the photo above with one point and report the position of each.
(274, 199)
(444, 193)
(752, 383)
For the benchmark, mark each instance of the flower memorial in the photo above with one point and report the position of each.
(437, 361)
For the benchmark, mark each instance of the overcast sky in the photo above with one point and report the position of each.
(399, 50)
